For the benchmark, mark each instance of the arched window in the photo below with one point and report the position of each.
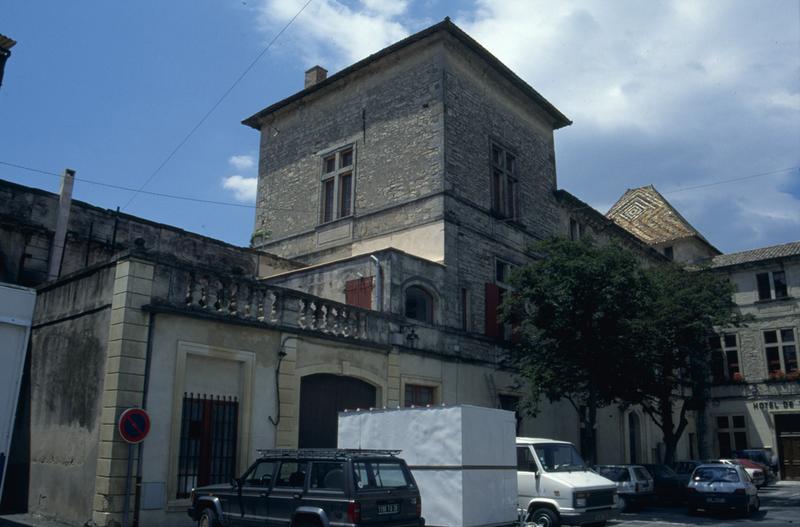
(419, 304)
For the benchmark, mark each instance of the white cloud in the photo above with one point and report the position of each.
(334, 34)
(244, 188)
(242, 162)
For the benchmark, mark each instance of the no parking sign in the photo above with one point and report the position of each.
(134, 425)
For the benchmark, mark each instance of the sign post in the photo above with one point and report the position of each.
(133, 426)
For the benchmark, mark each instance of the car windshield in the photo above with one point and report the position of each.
(381, 474)
(559, 457)
(715, 474)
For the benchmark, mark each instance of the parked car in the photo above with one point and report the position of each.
(724, 487)
(311, 488)
(634, 484)
(669, 486)
(756, 472)
(556, 487)
(684, 469)
(764, 456)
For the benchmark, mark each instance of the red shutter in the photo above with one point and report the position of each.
(358, 292)
(493, 294)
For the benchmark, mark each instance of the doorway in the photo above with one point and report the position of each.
(322, 397)
(787, 428)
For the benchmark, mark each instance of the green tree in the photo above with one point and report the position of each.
(673, 359)
(575, 311)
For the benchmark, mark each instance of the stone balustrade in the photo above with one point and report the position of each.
(234, 296)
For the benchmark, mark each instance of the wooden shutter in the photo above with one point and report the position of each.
(493, 327)
(358, 292)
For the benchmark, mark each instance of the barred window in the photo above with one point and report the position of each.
(209, 435)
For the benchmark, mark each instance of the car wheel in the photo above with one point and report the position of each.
(623, 505)
(207, 519)
(544, 518)
(757, 506)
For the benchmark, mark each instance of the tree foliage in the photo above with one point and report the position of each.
(573, 309)
(597, 327)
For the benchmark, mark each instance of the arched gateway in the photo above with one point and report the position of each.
(322, 397)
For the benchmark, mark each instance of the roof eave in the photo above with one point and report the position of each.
(559, 120)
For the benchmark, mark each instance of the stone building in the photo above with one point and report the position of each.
(395, 197)
(755, 399)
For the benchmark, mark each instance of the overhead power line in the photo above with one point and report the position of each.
(214, 106)
(159, 194)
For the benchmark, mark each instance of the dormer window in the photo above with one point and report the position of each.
(337, 185)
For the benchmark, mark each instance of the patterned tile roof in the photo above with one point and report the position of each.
(646, 214)
(757, 255)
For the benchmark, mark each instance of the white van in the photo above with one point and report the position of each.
(556, 487)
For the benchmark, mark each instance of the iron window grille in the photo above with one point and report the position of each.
(209, 435)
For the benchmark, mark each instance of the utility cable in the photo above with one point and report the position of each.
(215, 105)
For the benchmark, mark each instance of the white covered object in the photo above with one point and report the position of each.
(462, 457)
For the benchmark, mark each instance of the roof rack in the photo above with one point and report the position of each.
(327, 453)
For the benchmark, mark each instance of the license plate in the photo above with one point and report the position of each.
(715, 500)
(388, 508)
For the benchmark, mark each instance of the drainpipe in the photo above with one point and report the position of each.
(62, 220)
(378, 282)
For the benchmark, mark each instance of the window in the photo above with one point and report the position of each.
(574, 229)
(370, 475)
(465, 325)
(494, 298)
(419, 304)
(731, 434)
(207, 443)
(771, 285)
(337, 185)
(781, 351)
(725, 358)
(419, 395)
(292, 474)
(525, 461)
(668, 252)
(260, 475)
(358, 292)
(327, 476)
(504, 182)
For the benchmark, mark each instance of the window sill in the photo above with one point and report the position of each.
(774, 300)
(333, 223)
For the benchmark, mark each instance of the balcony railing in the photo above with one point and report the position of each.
(233, 296)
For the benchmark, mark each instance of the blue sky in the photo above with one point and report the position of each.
(675, 93)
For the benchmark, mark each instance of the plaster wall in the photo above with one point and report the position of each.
(68, 358)
(215, 363)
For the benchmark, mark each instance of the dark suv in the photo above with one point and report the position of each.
(314, 488)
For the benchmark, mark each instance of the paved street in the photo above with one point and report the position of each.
(780, 505)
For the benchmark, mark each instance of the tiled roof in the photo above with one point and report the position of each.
(646, 214)
(757, 255)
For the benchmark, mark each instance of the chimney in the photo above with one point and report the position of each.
(315, 75)
(62, 220)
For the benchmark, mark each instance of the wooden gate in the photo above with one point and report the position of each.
(322, 397)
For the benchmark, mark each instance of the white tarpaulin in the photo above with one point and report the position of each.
(462, 457)
(16, 312)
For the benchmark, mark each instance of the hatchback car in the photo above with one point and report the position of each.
(314, 488)
(756, 472)
(722, 487)
(634, 484)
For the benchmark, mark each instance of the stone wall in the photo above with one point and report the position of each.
(391, 112)
(95, 235)
(68, 360)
